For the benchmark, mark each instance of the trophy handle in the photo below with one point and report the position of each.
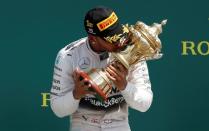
(94, 87)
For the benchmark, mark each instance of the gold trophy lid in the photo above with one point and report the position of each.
(151, 32)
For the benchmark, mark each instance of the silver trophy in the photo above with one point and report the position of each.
(144, 45)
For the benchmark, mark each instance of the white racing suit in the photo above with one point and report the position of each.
(89, 114)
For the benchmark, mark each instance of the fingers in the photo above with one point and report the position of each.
(76, 74)
(112, 71)
(109, 76)
(122, 69)
(82, 86)
(85, 85)
(114, 67)
(87, 90)
(115, 73)
(118, 76)
(119, 66)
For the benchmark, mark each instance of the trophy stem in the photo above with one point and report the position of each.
(99, 83)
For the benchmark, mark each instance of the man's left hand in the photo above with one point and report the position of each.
(117, 73)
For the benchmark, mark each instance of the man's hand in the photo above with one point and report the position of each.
(117, 73)
(81, 86)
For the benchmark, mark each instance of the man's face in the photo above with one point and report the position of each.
(106, 46)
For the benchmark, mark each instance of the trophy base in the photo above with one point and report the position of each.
(98, 83)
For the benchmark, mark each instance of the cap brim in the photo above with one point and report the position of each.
(115, 30)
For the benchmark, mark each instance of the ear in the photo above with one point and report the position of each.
(92, 38)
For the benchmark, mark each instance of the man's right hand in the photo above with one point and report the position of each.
(81, 86)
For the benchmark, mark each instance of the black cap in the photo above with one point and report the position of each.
(103, 22)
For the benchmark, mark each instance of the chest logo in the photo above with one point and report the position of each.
(84, 63)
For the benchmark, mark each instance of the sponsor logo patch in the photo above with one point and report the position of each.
(84, 63)
(107, 22)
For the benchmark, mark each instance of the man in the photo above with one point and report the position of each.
(69, 96)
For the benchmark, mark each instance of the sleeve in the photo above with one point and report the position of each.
(61, 99)
(138, 93)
